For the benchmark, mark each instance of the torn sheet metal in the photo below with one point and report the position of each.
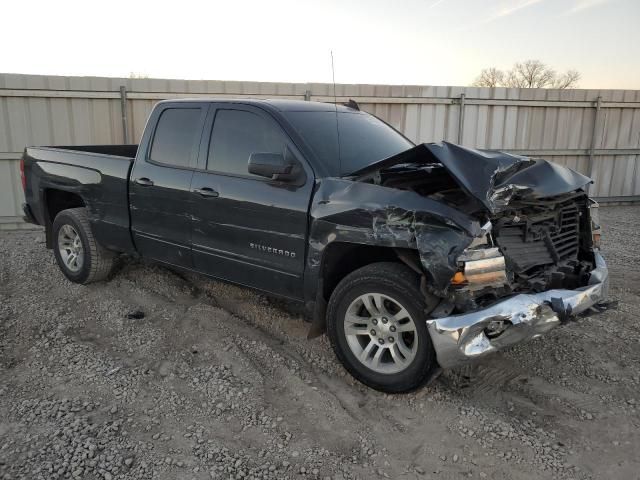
(492, 178)
(460, 338)
(364, 213)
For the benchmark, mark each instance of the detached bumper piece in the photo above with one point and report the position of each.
(458, 339)
(28, 214)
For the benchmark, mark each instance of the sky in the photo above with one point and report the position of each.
(410, 42)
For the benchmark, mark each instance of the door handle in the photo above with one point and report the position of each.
(206, 192)
(144, 181)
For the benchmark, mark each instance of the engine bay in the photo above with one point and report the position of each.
(546, 243)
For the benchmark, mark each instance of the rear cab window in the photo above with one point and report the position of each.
(176, 137)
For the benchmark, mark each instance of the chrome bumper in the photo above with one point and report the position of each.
(460, 338)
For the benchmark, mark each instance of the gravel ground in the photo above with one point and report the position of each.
(216, 381)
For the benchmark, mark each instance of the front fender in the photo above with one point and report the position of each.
(368, 214)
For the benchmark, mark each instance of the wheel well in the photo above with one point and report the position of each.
(340, 259)
(55, 202)
(58, 200)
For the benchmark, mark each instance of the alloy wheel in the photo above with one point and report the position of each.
(381, 333)
(70, 248)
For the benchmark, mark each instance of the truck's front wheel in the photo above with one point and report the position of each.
(376, 324)
(80, 257)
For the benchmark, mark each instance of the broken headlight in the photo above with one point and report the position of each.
(594, 214)
(480, 265)
(480, 268)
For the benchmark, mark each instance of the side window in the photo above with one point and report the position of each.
(175, 137)
(236, 135)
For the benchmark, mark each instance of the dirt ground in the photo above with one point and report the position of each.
(216, 381)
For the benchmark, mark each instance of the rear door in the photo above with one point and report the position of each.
(159, 188)
(248, 229)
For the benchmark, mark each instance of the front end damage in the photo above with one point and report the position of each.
(506, 242)
(468, 336)
(539, 266)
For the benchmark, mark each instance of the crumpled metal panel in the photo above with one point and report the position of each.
(492, 178)
(364, 213)
(460, 338)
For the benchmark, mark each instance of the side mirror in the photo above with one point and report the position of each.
(270, 165)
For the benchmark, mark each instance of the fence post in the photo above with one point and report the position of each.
(123, 108)
(594, 131)
(461, 119)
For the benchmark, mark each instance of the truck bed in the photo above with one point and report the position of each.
(96, 174)
(127, 151)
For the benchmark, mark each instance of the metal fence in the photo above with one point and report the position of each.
(596, 132)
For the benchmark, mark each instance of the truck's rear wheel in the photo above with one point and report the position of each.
(376, 324)
(80, 257)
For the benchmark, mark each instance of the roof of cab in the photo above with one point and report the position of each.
(275, 104)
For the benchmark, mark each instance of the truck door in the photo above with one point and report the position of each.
(248, 229)
(159, 188)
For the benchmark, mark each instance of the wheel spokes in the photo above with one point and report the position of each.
(374, 303)
(405, 327)
(68, 232)
(70, 247)
(375, 361)
(404, 349)
(375, 323)
(356, 330)
(355, 325)
(367, 351)
(401, 314)
(396, 355)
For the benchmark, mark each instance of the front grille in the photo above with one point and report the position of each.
(540, 239)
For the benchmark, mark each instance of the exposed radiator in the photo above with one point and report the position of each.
(541, 239)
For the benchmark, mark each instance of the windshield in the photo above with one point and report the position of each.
(364, 139)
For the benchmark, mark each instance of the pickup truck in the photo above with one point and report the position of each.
(412, 258)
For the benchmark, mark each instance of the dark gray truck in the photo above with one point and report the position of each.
(411, 257)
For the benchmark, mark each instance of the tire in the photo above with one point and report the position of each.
(72, 235)
(386, 289)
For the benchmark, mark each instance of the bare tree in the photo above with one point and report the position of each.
(568, 80)
(489, 77)
(530, 74)
(527, 74)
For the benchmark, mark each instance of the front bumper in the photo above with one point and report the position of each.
(458, 339)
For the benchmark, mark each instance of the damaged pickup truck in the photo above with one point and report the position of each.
(410, 257)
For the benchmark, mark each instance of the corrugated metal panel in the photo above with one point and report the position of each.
(49, 110)
(11, 195)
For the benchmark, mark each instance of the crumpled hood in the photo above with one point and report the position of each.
(492, 178)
